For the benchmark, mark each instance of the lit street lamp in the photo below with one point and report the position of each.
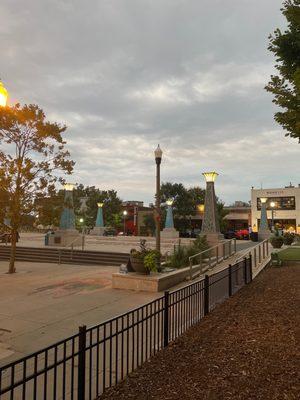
(272, 205)
(158, 156)
(124, 216)
(263, 231)
(210, 223)
(3, 95)
(67, 219)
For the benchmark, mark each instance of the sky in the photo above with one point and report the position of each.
(125, 75)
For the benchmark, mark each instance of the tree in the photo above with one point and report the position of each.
(48, 208)
(286, 85)
(33, 149)
(112, 204)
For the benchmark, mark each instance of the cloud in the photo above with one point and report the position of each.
(124, 76)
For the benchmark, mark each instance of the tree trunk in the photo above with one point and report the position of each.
(12, 269)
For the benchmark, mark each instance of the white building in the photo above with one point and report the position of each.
(285, 204)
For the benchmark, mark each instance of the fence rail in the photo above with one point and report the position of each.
(211, 257)
(96, 358)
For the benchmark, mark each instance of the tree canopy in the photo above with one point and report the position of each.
(49, 209)
(31, 156)
(285, 86)
(186, 202)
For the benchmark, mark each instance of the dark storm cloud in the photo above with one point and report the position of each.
(126, 74)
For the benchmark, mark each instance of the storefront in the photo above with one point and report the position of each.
(283, 208)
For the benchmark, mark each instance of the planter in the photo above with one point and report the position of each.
(276, 242)
(138, 266)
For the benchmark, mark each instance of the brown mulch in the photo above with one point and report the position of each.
(247, 348)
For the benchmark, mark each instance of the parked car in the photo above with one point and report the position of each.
(229, 235)
(109, 232)
(242, 234)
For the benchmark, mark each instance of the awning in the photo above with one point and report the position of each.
(237, 216)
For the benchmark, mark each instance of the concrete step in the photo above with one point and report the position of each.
(51, 255)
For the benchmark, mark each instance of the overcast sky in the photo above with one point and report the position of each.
(125, 75)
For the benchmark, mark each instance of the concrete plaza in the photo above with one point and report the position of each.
(44, 303)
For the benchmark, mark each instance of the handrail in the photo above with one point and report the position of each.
(72, 248)
(218, 259)
(263, 252)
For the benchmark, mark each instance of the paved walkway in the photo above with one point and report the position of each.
(43, 303)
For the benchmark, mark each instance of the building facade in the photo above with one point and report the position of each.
(134, 220)
(283, 204)
(238, 217)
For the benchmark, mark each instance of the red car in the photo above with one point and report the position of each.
(242, 234)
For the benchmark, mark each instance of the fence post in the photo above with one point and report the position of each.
(264, 251)
(166, 319)
(267, 244)
(217, 254)
(81, 363)
(230, 280)
(259, 254)
(234, 242)
(254, 256)
(206, 295)
(245, 270)
(250, 267)
(229, 250)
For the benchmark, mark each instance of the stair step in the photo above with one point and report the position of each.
(51, 255)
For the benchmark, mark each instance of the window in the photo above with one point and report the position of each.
(281, 203)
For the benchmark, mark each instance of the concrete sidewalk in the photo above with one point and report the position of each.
(44, 303)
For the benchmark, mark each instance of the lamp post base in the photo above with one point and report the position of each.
(97, 231)
(64, 238)
(263, 235)
(170, 233)
(213, 238)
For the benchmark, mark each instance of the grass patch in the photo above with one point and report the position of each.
(290, 254)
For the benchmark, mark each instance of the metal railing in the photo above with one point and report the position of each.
(259, 253)
(84, 365)
(212, 256)
(71, 245)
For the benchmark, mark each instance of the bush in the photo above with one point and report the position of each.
(276, 241)
(151, 259)
(148, 257)
(180, 257)
(288, 238)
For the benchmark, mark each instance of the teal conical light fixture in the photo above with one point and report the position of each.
(99, 219)
(67, 219)
(169, 218)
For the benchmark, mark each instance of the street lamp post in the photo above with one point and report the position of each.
(210, 224)
(263, 231)
(124, 215)
(272, 205)
(158, 156)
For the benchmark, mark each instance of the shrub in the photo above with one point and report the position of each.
(288, 238)
(276, 241)
(180, 257)
(151, 260)
(148, 256)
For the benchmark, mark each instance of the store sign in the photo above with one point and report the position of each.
(275, 193)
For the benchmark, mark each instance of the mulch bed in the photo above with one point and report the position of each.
(245, 349)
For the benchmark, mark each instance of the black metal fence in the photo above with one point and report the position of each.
(84, 365)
